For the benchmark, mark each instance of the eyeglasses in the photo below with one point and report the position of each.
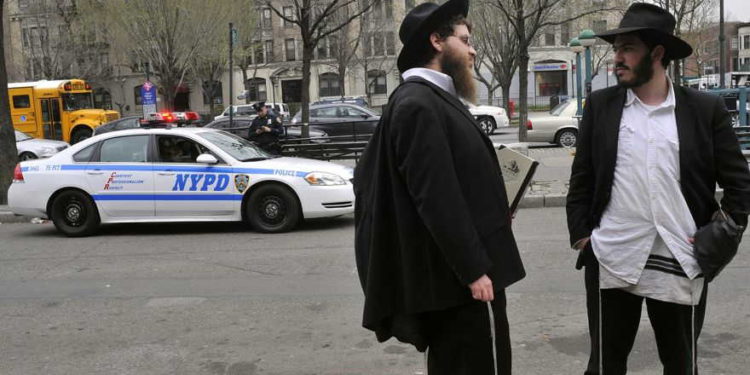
(465, 40)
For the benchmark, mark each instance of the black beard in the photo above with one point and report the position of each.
(642, 73)
(462, 75)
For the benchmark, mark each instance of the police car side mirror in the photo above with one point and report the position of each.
(206, 159)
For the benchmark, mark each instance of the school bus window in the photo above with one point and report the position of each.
(21, 101)
(74, 102)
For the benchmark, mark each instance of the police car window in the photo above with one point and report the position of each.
(132, 149)
(84, 155)
(237, 147)
(175, 149)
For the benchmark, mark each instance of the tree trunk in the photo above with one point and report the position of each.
(523, 84)
(8, 151)
(490, 95)
(506, 99)
(307, 52)
(342, 76)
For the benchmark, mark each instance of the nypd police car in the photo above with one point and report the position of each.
(177, 175)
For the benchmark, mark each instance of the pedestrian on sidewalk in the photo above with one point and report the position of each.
(434, 245)
(649, 156)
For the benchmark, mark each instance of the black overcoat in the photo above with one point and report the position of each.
(709, 155)
(431, 214)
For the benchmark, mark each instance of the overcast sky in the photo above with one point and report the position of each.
(737, 10)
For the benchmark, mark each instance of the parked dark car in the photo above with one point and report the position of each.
(356, 100)
(130, 122)
(241, 127)
(341, 121)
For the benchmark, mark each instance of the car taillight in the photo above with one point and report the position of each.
(17, 174)
(528, 125)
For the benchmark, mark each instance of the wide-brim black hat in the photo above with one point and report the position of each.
(655, 23)
(419, 23)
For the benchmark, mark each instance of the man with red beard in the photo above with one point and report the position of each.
(643, 181)
(433, 240)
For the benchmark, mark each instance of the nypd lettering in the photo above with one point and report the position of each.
(201, 182)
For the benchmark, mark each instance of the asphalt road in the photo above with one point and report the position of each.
(218, 299)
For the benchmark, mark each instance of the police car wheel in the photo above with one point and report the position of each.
(273, 209)
(74, 214)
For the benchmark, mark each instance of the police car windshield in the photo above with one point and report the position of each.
(238, 147)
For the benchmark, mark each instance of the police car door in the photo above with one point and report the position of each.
(120, 176)
(184, 188)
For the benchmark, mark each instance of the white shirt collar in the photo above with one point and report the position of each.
(439, 79)
(668, 103)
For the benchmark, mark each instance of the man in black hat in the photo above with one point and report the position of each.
(649, 157)
(266, 129)
(434, 245)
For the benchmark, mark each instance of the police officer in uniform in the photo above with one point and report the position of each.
(265, 129)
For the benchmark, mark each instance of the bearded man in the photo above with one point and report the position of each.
(434, 245)
(649, 157)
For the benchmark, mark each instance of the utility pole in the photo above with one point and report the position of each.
(232, 36)
(722, 42)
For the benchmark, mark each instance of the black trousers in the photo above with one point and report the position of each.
(621, 313)
(460, 340)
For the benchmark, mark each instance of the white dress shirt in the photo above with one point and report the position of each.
(439, 79)
(647, 217)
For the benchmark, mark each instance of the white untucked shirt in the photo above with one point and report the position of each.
(647, 219)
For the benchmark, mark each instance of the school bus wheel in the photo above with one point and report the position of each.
(80, 133)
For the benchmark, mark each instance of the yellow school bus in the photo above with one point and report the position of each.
(62, 110)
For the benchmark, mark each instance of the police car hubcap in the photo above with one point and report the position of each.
(73, 213)
(273, 209)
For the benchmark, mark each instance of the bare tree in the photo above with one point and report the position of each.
(166, 34)
(497, 48)
(527, 17)
(316, 21)
(8, 151)
(690, 15)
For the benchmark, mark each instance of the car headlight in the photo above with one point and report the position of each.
(324, 179)
(47, 151)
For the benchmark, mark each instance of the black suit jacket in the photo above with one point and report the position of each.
(432, 213)
(709, 154)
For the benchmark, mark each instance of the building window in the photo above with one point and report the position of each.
(388, 4)
(735, 42)
(269, 51)
(265, 21)
(289, 13)
(377, 82)
(23, 4)
(379, 44)
(212, 92)
(390, 43)
(329, 84)
(291, 52)
(102, 98)
(746, 42)
(599, 26)
(256, 88)
(409, 4)
(564, 34)
(34, 36)
(549, 37)
(137, 95)
(258, 53)
(323, 49)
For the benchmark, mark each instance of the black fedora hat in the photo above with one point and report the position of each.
(419, 23)
(656, 23)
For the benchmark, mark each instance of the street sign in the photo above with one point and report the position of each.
(148, 98)
(234, 36)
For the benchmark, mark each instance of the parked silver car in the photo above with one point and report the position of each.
(560, 126)
(32, 148)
